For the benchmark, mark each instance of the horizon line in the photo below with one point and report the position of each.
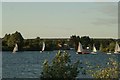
(64, 37)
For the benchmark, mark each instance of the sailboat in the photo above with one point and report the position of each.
(117, 48)
(43, 47)
(80, 49)
(15, 48)
(94, 50)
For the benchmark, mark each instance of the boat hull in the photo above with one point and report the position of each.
(79, 53)
(93, 53)
(86, 53)
(116, 52)
(83, 53)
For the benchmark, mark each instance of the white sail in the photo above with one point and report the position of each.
(94, 49)
(80, 48)
(15, 48)
(43, 48)
(117, 48)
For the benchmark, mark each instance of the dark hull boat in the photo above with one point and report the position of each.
(80, 50)
(83, 52)
(86, 52)
(79, 53)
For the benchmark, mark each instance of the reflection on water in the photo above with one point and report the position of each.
(28, 64)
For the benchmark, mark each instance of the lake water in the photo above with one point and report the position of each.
(28, 64)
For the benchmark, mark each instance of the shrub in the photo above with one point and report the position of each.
(60, 68)
(108, 73)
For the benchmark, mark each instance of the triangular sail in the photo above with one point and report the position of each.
(43, 48)
(15, 48)
(80, 48)
(94, 49)
(117, 48)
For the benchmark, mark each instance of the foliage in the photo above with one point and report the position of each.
(109, 72)
(61, 68)
(32, 44)
(104, 44)
(7, 36)
(15, 38)
(74, 40)
(5, 39)
(9, 41)
(85, 40)
(111, 46)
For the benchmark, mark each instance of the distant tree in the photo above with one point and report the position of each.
(101, 47)
(15, 38)
(36, 43)
(74, 40)
(49, 45)
(85, 41)
(38, 38)
(5, 39)
(97, 44)
(111, 46)
(61, 68)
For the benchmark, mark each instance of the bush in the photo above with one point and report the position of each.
(108, 73)
(61, 68)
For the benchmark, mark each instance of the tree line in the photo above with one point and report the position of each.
(9, 41)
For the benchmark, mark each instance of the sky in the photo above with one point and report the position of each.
(61, 19)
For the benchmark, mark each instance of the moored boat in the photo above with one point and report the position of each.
(117, 49)
(80, 49)
(94, 50)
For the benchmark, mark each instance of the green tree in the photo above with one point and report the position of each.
(112, 46)
(74, 40)
(61, 68)
(16, 38)
(5, 39)
(49, 45)
(85, 41)
(36, 43)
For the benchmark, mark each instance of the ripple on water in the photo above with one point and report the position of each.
(28, 64)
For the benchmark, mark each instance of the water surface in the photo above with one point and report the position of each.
(28, 64)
